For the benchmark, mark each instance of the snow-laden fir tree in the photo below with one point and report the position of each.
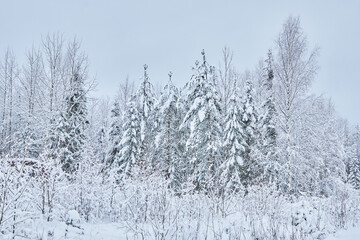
(129, 144)
(233, 146)
(167, 138)
(268, 124)
(72, 125)
(354, 160)
(146, 101)
(250, 124)
(204, 121)
(183, 134)
(115, 134)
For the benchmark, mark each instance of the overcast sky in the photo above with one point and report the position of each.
(120, 36)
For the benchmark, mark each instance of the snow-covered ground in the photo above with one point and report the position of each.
(348, 234)
(114, 231)
(59, 230)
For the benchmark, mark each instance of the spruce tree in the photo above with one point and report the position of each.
(115, 134)
(72, 125)
(204, 121)
(146, 102)
(250, 127)
(233, 147)
(268, 122)
(167, 138)
(129, 144)
(354, 160)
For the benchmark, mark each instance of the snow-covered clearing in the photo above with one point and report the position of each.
(146, 210)
(348, 234)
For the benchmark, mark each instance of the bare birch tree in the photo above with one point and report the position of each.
(126, 90)
(227, 77)
(53, 66)
(295, 70)
(9, 74)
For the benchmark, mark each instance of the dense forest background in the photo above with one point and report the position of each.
(244, 142)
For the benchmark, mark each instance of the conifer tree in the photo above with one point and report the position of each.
(73, 124)
(354, 160)
(268, 122)
(250, 125)
(129, 145)
(204, 121)
(146, 103)
(115, 135)
(167, 138)
(233, 146)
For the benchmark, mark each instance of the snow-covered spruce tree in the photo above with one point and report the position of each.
(129, 144)
(353, 152)
(249, 119)
(268, 125)
(115, 134)
(167, 138)
(183, 133)
(73, 123)
(233, 146)
(204, 121)
(146, 102)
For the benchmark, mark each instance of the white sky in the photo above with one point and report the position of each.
(168, 35)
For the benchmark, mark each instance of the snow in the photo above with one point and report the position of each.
(201, 114)
(117, 231)
(86, 231)
(348, 234)
(73, 218)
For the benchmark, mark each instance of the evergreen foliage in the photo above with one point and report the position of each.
(72, 125)
(129, 144)
(251, 132)
(115, 135)
(146, 101)
(268, 122)
(167, 138)
(204, 119)
(232, 166)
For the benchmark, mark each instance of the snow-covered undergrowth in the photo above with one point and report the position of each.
(147, 209)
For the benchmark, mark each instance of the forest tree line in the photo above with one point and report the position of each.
(221, 133)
